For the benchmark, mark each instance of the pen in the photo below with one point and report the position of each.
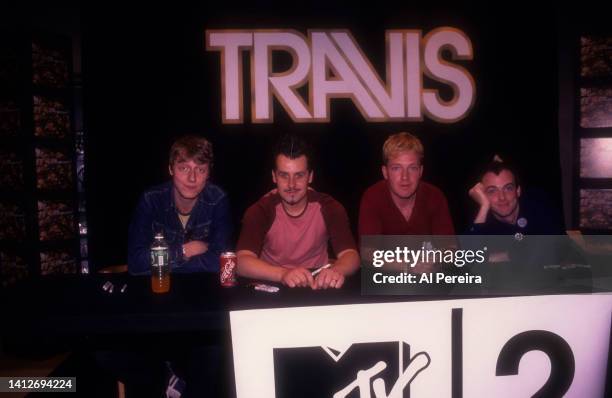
(315, 272)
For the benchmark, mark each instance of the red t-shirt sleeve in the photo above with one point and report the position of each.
(255, 225)
(338, 226)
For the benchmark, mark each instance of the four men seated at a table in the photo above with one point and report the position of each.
(286, 234)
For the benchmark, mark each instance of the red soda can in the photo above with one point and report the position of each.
(228, 261)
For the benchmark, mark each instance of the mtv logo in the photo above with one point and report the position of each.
(363, 370)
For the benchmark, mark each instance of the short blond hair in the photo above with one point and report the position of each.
(401, 142)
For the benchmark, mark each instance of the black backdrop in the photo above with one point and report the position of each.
(147, 79)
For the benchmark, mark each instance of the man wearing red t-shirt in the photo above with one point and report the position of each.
(285, 234)
(402, 204)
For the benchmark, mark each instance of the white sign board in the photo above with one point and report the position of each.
(503, 347)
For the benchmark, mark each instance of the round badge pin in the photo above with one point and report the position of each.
(522, 222)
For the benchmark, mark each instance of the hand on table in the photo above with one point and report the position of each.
(194, 248)
(328, 278)
(297, 277)
(499, 257)
(423, 267)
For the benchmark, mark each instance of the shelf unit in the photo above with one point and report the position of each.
(42, 206)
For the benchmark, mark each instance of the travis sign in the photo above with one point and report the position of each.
(332, 65)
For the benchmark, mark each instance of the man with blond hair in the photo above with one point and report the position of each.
(402, 204)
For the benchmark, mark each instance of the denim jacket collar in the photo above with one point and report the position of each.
(196, 207)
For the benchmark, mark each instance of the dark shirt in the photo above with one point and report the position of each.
(537, 216)
(378, 214)
(156, 212)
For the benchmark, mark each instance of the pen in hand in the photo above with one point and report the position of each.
(316, 271)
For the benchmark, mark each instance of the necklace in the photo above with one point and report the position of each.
(297, 215)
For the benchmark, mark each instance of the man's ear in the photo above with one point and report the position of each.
(273, 176)
(310, 176)
(518, 192)
(383, 168)
(170, 170)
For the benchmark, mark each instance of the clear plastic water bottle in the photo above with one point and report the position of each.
(160, 265)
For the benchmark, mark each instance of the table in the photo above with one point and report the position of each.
(76, 305)
(76, 308)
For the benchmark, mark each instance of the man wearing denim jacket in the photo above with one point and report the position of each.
(192, 213)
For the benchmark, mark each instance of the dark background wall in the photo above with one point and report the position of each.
(147, 79)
